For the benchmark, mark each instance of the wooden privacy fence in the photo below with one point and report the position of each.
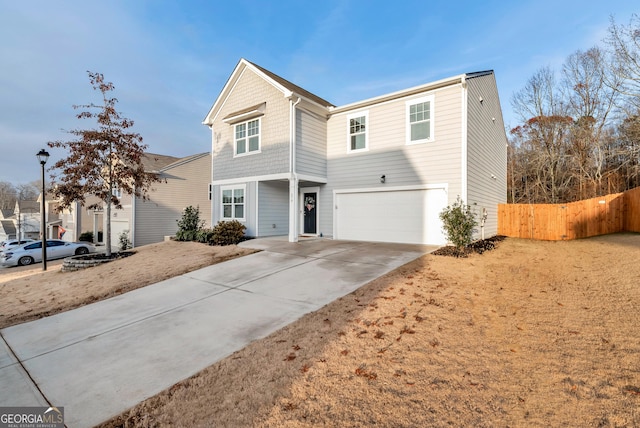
(554, 222)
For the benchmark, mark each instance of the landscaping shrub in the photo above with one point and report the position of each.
(458, 221)
(86, 237)
(123, 240)
(227, 233)
(204, 235)
(189, 224)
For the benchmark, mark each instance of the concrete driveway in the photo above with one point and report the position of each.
(104, 358)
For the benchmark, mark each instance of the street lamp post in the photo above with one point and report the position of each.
(43, 156)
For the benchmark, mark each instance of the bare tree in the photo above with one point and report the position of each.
(8, 195)
(543, 137)
(624, 45)
(103, 160)
(28, 191)
(591, 94)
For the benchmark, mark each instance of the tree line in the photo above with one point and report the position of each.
(10, 193)
(578, 135)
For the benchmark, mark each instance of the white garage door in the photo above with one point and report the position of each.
(407, 216)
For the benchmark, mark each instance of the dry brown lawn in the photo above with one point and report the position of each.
(530, 334)
(28, 293)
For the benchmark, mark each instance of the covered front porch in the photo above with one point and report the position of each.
(289, 207)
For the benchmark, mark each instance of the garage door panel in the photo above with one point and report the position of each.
(409, 216)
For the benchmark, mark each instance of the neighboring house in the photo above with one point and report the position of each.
(70, 223)
(287, 162)
(27, 219)
(6, 214)
(7, 230)
(185, 182)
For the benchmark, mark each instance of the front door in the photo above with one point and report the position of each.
(310, 217)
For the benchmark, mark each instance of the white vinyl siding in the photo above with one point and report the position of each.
(233, 202)
(358, 124)
(275, 133)
(420, 124)
(389, 155)
(486, 151)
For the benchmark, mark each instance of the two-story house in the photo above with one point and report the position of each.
(287, 162)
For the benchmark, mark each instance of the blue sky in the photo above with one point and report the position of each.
(170, 59)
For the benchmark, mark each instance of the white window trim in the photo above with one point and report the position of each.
(364, 113)
(408, 104)
(235, 141)
(244, 211)
(116, 191)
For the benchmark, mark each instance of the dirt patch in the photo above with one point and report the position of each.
(30, 294)
(530, 334)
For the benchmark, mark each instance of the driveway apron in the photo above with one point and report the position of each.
(103, 358)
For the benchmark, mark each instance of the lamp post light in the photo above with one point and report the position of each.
(43, 156)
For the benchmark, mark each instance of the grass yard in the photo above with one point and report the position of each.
(530, 334)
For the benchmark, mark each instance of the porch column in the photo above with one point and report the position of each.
(293, 209)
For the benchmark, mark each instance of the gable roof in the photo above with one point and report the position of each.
(453, 80)
(187, 159)
(293, 87)
(28, 206)
(154, 162)
(8, 226)
(6, 213)
(289, 88)
(283, 85)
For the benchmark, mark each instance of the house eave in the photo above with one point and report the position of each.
(399, 94)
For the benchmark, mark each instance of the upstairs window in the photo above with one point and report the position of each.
(233, 203)
(420, 120)
(358, 131)
(247, 137)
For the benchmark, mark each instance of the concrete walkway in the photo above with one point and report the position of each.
(103, 358)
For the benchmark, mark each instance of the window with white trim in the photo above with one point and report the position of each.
(247, 137)
(233, 202)
(358, 131)
(420, 120)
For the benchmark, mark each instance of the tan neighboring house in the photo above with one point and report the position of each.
(72, 222)
(184, 182)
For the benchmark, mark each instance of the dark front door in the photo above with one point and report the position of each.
(310, 202)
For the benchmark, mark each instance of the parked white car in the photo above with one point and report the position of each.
(12, 243)
(30, 253)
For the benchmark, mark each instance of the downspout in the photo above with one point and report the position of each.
(293, 176)
(212, 204)
(133, 219)
(463, 178)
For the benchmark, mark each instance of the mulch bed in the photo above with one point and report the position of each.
(478, 247)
